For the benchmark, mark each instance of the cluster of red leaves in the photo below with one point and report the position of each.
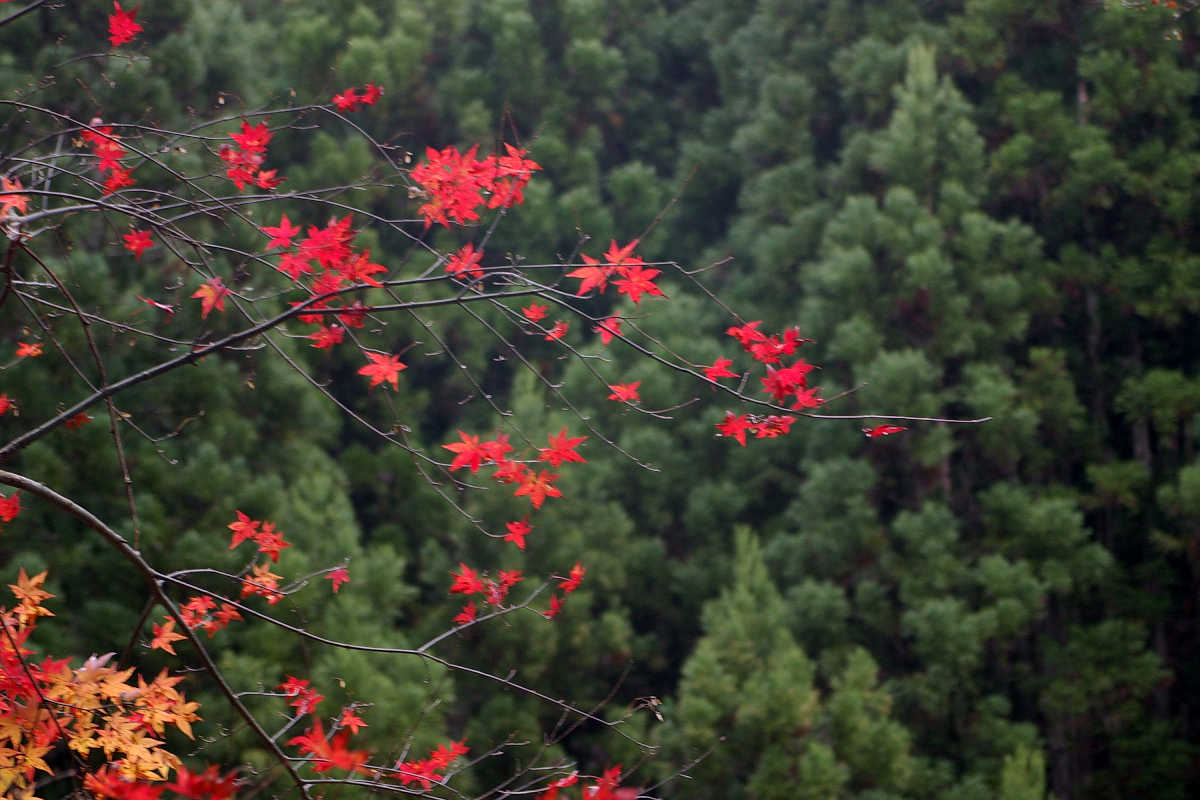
(243, 161)
(457, 184)
(122, 26)
(472, 453)
(207, 785)
(351, 100)
(566, 586)
(10, 197)
(769, 427)
(305, 699)
(634, 279)
(29, 350)
(46, 703)
(330, 752)
(781, 382)
(199, 612)
(269, 540)
(605, 787)
(338, 266)
(107, 149)
(426, 771)
(468, 582)
(261, 581)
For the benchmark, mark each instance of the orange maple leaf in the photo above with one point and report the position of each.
(212, 295)
(164, 634)
(10, 199)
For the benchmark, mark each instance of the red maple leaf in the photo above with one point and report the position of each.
(338, 576)
(466, 581)
(608, 328)
(571, 583)
(306, 698)
(558, 331)
(10, 507)
(538, 487)
(747, 334)
(77, 421)
(266, 179)
(556, 605)
(328, 754)
(808, 398)
(882, 430)
(252, 139)
(468, 453)
(562, 449)
(351, 720)
(734, 427)
(371, 93)
(347, 100)
(7, 404)
(212, 294)
(534, 313)
(243, 528)
(622, 256)
(327, 336)
(270, 541)
(208, 785)
(281, 234)
(593, 276)
(787, 380)
(773, 426)
(465, 262)
(225, 614)
(138, 242)
(121, 25)
(625, 392)
(382, 368)
(118, 179)
(359, 269)
(25, 350)
(497, 449)
(511, 472)
(517, 531)
(720, 369)
(468, 613)
(294, 265)
(636, 281)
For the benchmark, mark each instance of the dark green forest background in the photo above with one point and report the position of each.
(981, 208)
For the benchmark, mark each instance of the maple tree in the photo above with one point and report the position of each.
(309, 281)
